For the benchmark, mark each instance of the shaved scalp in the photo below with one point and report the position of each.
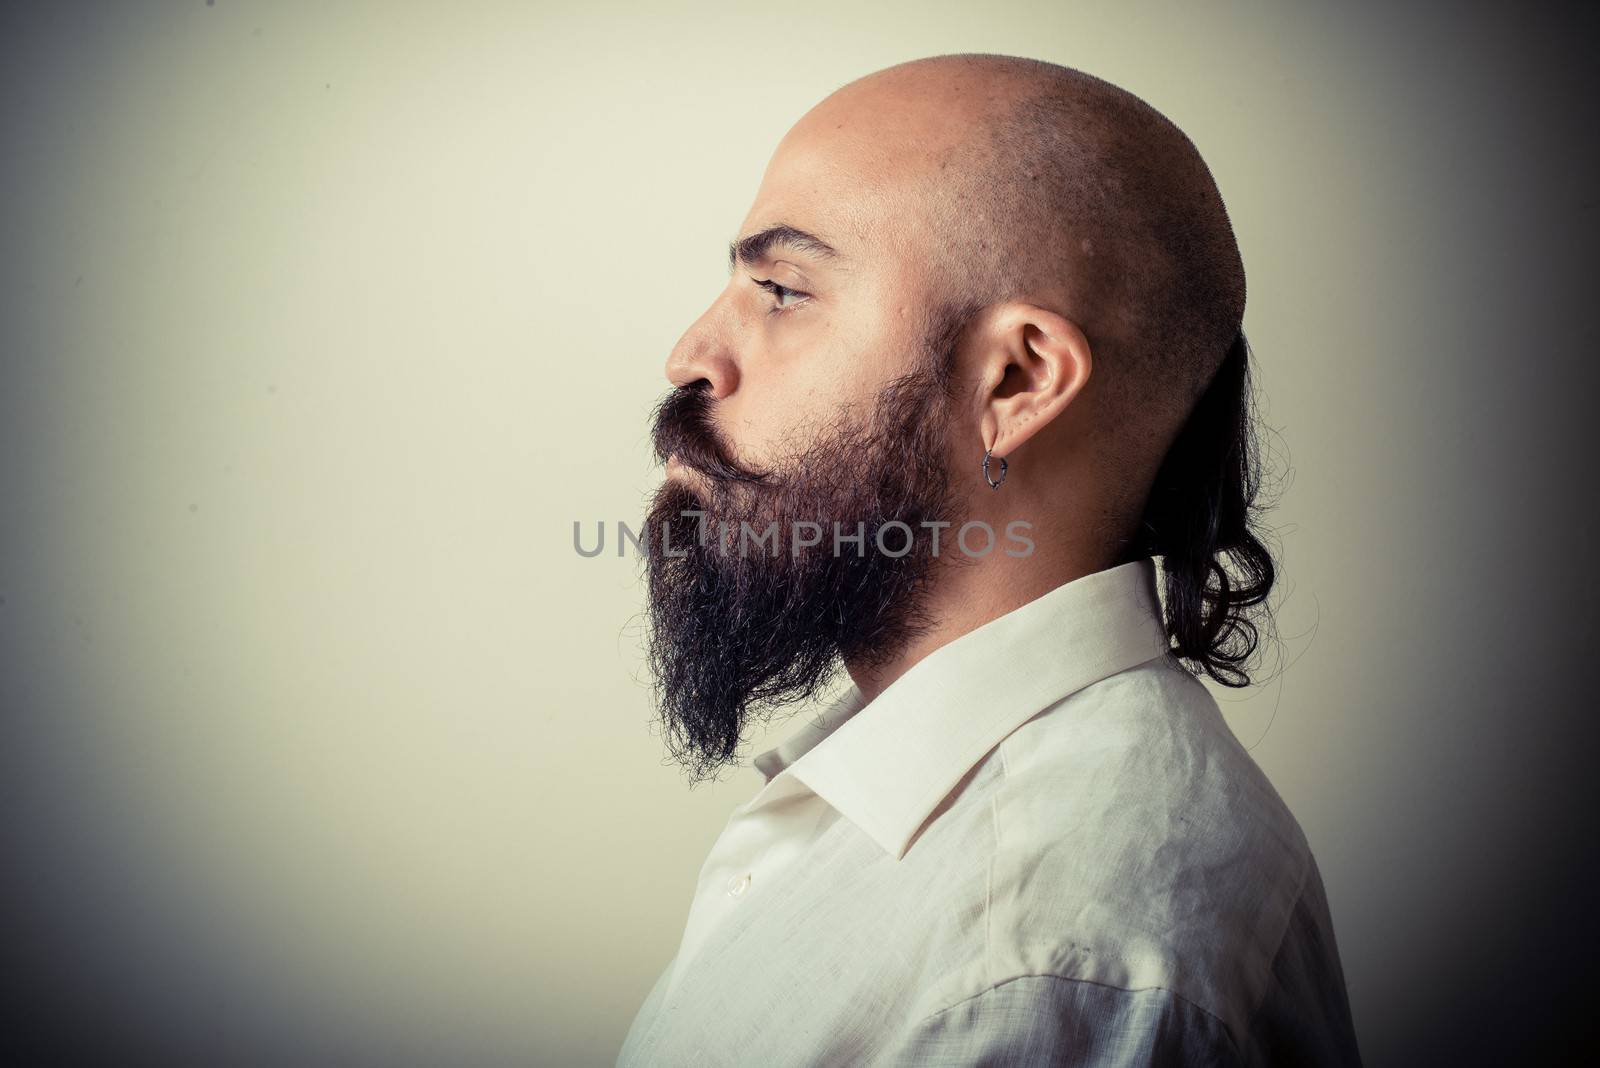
(1076, 192)
(1061, 189)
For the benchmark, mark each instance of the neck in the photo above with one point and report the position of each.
(965, 596)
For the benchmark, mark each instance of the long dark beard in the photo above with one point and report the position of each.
(735, 635)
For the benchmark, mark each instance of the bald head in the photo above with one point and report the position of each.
(1039, 182)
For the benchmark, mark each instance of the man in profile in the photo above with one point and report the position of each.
(978, 291)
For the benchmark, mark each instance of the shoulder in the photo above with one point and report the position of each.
(1139, 846)
(1145, 755)
(1043, 1019)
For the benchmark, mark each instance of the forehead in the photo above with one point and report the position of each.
(860, 171)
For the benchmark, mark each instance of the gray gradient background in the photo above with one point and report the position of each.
(318, 743)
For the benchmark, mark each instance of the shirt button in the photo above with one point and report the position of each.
(738, 884)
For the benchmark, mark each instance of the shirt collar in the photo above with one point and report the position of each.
(886, 765)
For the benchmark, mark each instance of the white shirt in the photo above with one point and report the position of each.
(1042, 844)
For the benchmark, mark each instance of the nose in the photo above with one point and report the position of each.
(703, 354)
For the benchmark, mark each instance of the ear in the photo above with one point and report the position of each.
(1032, 364)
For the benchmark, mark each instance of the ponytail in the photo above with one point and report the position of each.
(1201, 519)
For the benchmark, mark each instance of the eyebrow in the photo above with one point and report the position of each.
(750, 250)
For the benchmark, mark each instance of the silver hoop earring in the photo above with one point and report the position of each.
(992, 483)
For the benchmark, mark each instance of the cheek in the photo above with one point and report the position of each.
(784, 409)
(812, 370)
(790, 417)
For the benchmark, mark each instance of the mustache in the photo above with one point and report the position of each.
(682, 427)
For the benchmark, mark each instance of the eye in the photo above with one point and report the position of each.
(782, 294)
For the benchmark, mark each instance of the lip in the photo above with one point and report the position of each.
(682, 472)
